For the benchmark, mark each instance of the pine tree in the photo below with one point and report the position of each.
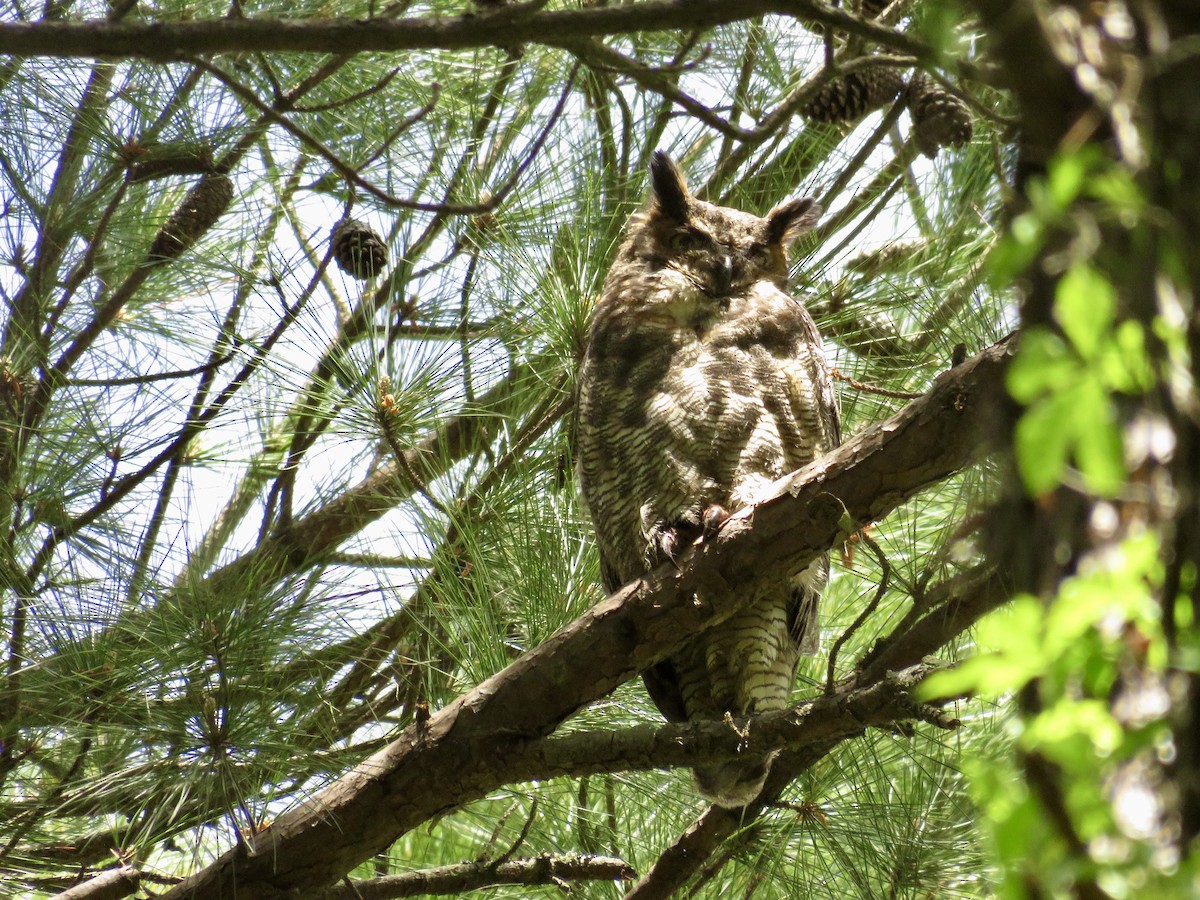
(296, 581)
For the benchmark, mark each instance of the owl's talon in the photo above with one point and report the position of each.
(665, 546)
(714, 517)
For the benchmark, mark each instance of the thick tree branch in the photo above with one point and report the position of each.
(462, 752)
(439, 881)
(508, 26)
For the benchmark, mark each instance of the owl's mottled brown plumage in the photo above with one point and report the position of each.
(703, 380)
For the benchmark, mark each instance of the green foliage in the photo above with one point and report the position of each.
(1066, 377)
(1083, 800)
(1098, 640)
(1027, 640)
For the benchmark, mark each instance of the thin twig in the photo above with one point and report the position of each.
(150, 379)
(872, 389)
(435, 92)
(521, 836)
(347, 100)
(885, 570)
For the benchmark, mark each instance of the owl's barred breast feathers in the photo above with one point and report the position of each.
(703, 380)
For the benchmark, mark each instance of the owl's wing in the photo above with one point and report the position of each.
(827, 402)
(812, 396)
(608, 574)
(662, 684)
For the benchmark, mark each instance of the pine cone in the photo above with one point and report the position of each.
(358, 249)
(848, 97)
(198, 212)
(939, 118)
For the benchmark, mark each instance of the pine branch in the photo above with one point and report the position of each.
(320, 532)
(832, 717)
(968, 598)
(464, 750)
(696, 845)
(508, 26)
(458, 879)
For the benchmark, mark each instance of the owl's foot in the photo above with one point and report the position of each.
(665, 546)
(667, 543)
(714, 517)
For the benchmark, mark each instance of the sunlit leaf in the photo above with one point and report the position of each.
(1124, 365)
(1100, 453)
(1074, 727)
(1042, 441)
(1067, 176)
(1084, 305)
(1009, 641)
(1015, 251)
(1043, 364)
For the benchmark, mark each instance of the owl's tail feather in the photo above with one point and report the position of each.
(733, 783)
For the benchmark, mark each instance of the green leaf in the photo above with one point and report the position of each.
(1100, 455)
(1116, 187)
(1013, 634)
(1085, 304)
(1067, 176)
(1082, 603)
(1072, 728)
(1015, 251)
(1043, 440)
(1124, 364)
(987, 675)
(1043, 364)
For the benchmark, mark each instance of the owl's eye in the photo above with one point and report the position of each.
(683, 241)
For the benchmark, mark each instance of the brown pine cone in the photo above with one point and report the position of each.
(198, 212)
(358, 249)
(848, 97)
(939, 118)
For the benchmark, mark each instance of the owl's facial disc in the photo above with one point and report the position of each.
(721, 257)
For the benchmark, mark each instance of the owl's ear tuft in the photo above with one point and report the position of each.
(670, 191)
(790, 219)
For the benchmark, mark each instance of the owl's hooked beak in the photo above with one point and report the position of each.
(723, 275)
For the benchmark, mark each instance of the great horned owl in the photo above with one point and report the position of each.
(703, 380)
